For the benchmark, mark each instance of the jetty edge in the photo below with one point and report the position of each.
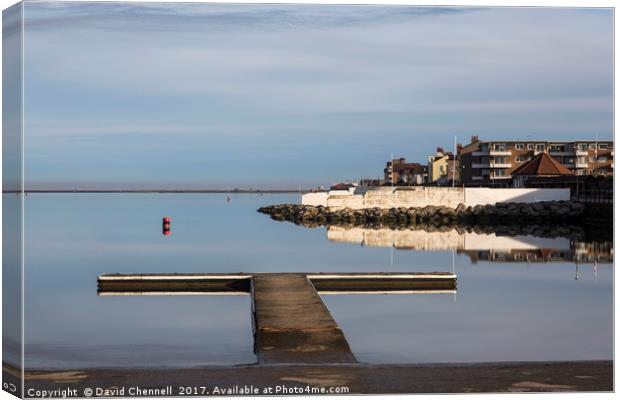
(241, 283)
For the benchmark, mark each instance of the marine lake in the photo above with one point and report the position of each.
(518, 299)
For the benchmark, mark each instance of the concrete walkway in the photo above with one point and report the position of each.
(292, 324)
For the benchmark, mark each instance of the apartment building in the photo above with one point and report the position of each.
(400, 172)
(492, 162)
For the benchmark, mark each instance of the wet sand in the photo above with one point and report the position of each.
(592, 376)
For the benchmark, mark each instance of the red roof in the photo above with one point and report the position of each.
(542, 165)
(341, 186)
(419, 168)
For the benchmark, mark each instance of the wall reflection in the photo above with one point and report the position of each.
(480, 246)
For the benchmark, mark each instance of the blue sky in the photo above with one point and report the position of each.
(214, 95)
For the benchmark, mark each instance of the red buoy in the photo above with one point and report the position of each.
(166, 226)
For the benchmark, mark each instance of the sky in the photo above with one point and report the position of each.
(143, 95)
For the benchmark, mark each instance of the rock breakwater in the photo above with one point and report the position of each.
(498, 214)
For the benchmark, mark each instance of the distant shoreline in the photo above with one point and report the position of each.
(220, 191)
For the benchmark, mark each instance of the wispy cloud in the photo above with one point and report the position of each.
(284, 76)
(227, 17)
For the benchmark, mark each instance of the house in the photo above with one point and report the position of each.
(443, 168)
(343, 188)
(541, 166)
(400, 172)
(544, 171)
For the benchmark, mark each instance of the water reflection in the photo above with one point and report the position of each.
(480, 246)
(501, 313)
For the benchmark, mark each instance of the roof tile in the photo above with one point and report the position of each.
(542, 165)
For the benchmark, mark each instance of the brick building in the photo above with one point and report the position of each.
(400, 172)
(491, 163)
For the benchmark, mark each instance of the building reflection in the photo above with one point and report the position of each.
(492, 247)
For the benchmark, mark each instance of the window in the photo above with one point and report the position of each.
(602, 158)
(530, 146)
(592, 146)
(500, 172)
(582, 147)
(520, 159)
(519, 146)
(540, 147)
(556, 148)
(499, 160)
(499, 147)
(602, 146)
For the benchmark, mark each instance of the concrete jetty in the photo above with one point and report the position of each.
(291, 323)
(325, 378)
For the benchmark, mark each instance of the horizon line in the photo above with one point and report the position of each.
(157, 191)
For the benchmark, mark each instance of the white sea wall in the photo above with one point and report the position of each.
(475, 196)
(315, 199)
(412, 196)
(421, 196)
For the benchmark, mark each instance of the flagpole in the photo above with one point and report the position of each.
(454, 163)
(392, 164)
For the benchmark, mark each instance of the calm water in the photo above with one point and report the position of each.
(503, 311)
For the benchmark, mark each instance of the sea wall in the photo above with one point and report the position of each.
(482, 196)
(315, 199)
(422, 196)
